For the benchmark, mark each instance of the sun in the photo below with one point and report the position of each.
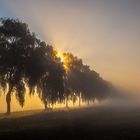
(65, 59)
(61, 56)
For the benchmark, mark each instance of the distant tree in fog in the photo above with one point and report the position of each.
(84, 82)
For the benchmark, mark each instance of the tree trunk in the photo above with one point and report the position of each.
(52, 106)
(8, 101)
(67, 105)
(49, 104)
(79, 99)
(93, 100)
(88, 102)
(45, 105)
(73, 103)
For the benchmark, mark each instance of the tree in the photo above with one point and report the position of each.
(84, 82)
(25, 60)
(53, 84)
(13, 49)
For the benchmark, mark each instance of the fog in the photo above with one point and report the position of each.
(120, 101)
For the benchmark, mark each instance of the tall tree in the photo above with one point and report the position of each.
(53, 84)
(12, 57)
(25, 60)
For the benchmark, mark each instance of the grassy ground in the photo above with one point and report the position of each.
(99, 123)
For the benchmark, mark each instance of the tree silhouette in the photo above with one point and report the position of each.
(26, 60)
(84, 82)
(53, 84)
(12, 57)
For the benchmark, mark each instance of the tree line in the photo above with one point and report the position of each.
(26, 61)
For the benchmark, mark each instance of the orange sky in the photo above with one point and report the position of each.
(104, 33)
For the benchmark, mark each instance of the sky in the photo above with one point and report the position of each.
(104, 33)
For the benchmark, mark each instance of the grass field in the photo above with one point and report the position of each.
(99, 123)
